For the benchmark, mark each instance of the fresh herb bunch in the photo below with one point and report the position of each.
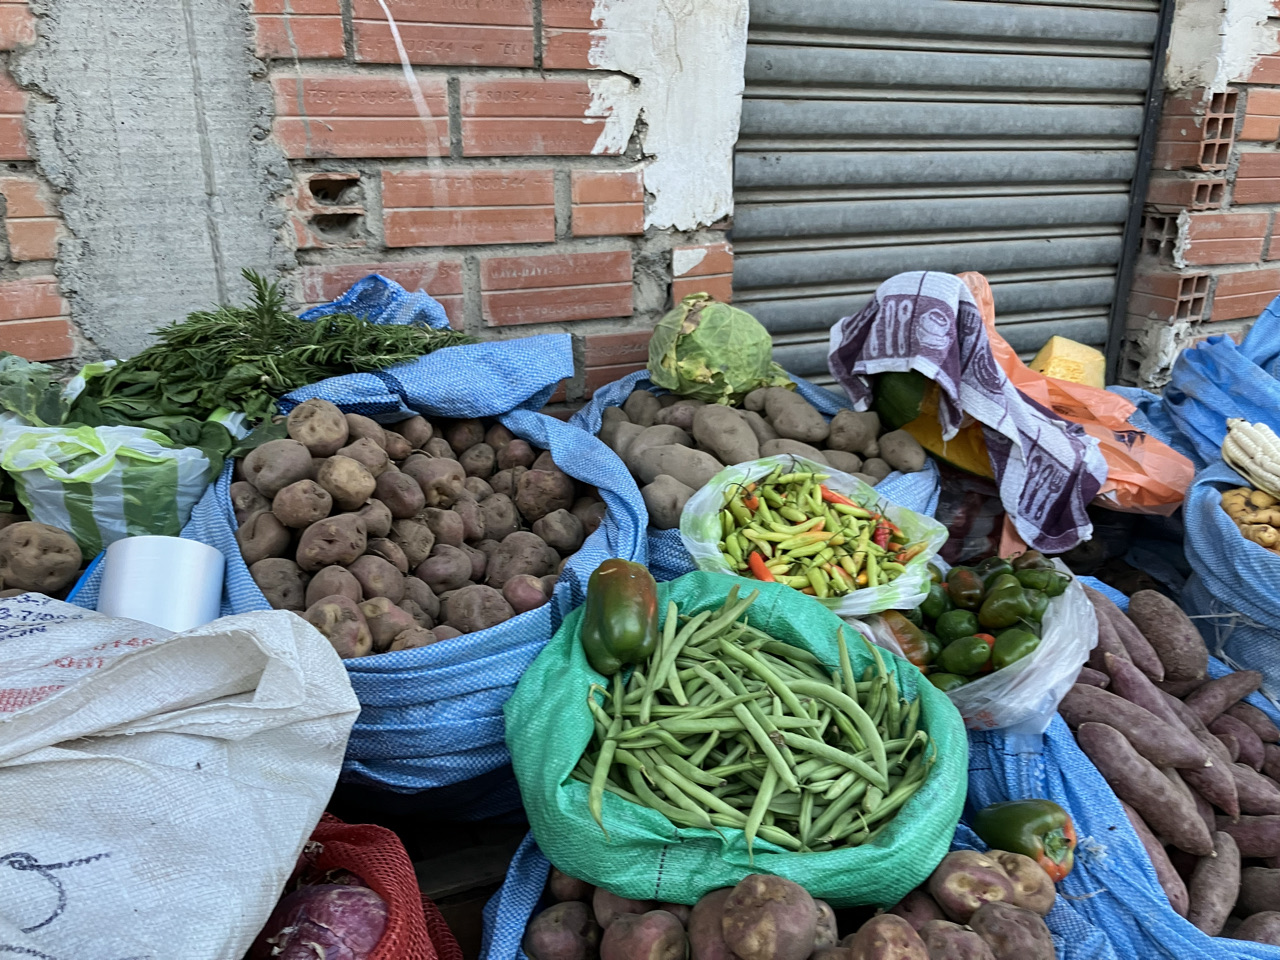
(243, 358)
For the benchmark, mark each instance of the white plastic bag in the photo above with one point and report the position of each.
(102, 484)
(701, 534)
(155, 788)
(1023, 697)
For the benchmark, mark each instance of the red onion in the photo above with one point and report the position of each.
(323, 922)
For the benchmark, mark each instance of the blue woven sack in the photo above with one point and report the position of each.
(668, 558)
(432, 716)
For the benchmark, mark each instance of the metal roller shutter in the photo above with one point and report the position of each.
(887, 135)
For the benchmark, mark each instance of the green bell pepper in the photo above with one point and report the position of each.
(1012, 645)
(1032, 560)
(936, 603)
(1005, 603)
(1039, 829)
(965, 587)
(991, 568)
(955, 624)
(620, 622)
(1039, 601)
(946, 681)
(965, 656)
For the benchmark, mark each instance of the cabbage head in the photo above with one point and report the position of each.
(713, 352)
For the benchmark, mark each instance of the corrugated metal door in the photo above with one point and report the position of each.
(887, 135)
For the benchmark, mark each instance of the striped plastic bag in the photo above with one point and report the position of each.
(102, 484)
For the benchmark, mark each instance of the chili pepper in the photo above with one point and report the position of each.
(991, 568)
(911, 639)
(1005, 603)
(751, 503)
(1039, 829)
(830, 496)
(965, 587)
(620, 622)
(1012, 645)
(936, 603)
(911, 553)
(758, 568)
(881, 537)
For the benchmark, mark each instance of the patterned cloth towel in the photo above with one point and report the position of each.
(1047, 469)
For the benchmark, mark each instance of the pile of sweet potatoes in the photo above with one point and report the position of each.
(770, 918)
(673, 445)
(398, 537)
(1195, 766)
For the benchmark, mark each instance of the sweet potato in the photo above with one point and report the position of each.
(650, 438)
(260, 537)
(1167, 876)
(724, 434)
(337, 540)
(448, 568)
(656, 935)
(347, 482)
(1271, 761)
(389, 551)
(563, 887)
(1215, 783)
(479, 460)
(855, 432)
(378, 578)
(886, 937)
(1214, 886)
(641, 407)
(417, 430)
(1204, 808)
(901, 451)
(1145, 788)
(500, 517)
(1212, 699)
(540, 492)
(792, 448)
(1128, 681)
(1162, 743)
(1093, 678)
(246, 500)
(917, 908)
(440, 479)
(694, 468)
(1260, 928)
(1249, 747)
(1255, 836)
(770, 918)
(949, 941)
(368, 453)
(1175, 638)
(966, 879)
(415, 539)
(421, 594)
(386, 621)
(1259, 890)
(1108, 645)
(445, 524)
(1232, 745)
(333, 580)
(339, 619)
(363, 428)
(1012, 933)
(282, 582)
(608, 907)
(319, 426)
(665, 498)
(1032, 888)
(377, 518)
(1180, 688)
(39, 557)
(706, 927)
(565, 931)
(1257, 721)
(520, 552)
(1258, 795)
(401, 494)
(1136, 647)
(561, 530)
(276, 464)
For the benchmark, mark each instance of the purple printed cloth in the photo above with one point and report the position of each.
(1047, 469)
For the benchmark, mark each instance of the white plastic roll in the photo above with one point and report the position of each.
(165, 581)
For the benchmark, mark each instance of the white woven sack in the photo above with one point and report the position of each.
(155, 788)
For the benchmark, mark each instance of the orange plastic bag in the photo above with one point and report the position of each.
(1143, 475)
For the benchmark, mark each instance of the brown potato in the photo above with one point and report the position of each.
(337, 540)
(591, 512)
(397, 447)
(446, 525)
(901, 451)
(417, 430)
(842, 461)
(377, 518)
(38, 557)
(950, 941)
(540, 492)
(651, 438)
(276, 464)
(445, 632)
(794, 417)
(479, 562)
(679, 414)
(520, 552)
(282, 582)
(656, 935)
(363, 428)
(475, 608)
(411, 639)
(792, 448)
(261, 536)
(561, 886)
(607, 907)
(1032, 888)
(368, 453)
(875, 467)
(333, 580)
(301, 504)
(665, 499)
(478, 460)
(706, 927)
(390, 551)
(413, 538)
(566, 931)
(472, 518)
(641, 407)
(246, 500)
(319, 425)
(464, 434)
(887, 937)
(438, 449)
(498, 436)
(1012, 933)
(618, 436)
(500, 517)
(504, 481)
(855, 432)
(347, 481)
(342, 624)
(770, 918)
(386, 621)
(524, 592)
(378, 578)
(448, 568)
(917, 908)
(479, 489)
(561, 530)
(423, 596)
(967, 879)
(440, 479)
(724, 434)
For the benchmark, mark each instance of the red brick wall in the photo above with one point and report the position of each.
(497, 204)
(34, 320)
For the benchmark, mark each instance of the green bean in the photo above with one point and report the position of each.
(805, 825)
(700, 755)
(913, 718)
(659, 675)
(724, 771)
(683, 766)
(900, 795)
(694, 791)
(677, 815)
(765, 722)
(836, 755)
(853, 709)
(757, 666)
(595, 797)
(756, 817)
(767, 747)
(872, 799)
(823, 826)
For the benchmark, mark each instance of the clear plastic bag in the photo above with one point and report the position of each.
(700, 531)
(1023, 697)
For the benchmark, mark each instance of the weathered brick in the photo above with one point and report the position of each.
(496, 33)
(300, 37)
(448, 208)
(608, 349)
(607, 203)
(1257, 179)
(359, 115)
(1196, 131)
(702, 260)
(1216, 238)
(502, 118)
(33, 239)
(17, 25)
(40, 339)
(719, 287)
(24, 197)
(556, 288)
(30, 299)
(1244, 293)
(606, 186)
(440, 278)
(1266, 70)
(1171, 194)
(608, 219)
(597, 377)
(1261, 116)
(1169, 297)
(13, 134)
(567, 28)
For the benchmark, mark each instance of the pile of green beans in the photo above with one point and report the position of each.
(726, 726)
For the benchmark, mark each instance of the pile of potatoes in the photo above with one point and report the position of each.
(36, 558)
(399, 537)
(1256, 513)
(673, 445)
(1002, 897)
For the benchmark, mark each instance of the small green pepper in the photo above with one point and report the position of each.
(955, 624)
(1039, 829)
(936, 603)
(935, 645)
(1039, 601)
(1012, 645)
(965, 587)
(1035, 578)
(1005, 603)
(1058, 585)
(620, 622)
(1032, 560)
(946, 681)
(991, 568)
(965, 656)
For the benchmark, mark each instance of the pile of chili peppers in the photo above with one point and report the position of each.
(791, 528)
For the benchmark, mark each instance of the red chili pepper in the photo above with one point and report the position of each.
(830, 496)
(881, 536)
(911, 553)
(751, 503)
(758, 568)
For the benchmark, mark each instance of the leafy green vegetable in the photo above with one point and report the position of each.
(31, 390)
(713, 352)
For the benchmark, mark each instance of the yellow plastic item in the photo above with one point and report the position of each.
(966, 450)
(1065, 359)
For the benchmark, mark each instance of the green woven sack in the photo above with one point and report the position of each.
(645, 856)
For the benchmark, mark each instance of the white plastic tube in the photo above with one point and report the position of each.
(165, 581)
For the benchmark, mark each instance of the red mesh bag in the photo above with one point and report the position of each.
(415, 928)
